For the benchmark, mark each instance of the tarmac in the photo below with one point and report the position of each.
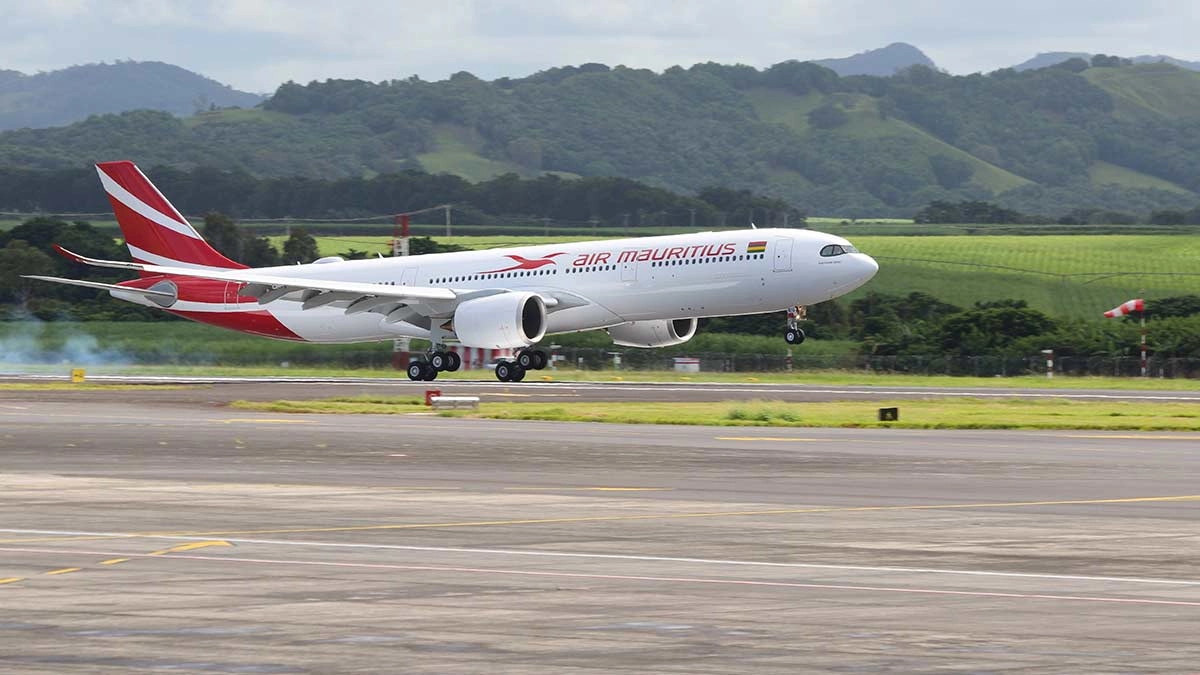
(174, 534)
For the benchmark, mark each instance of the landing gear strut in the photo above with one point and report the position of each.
(794, 335)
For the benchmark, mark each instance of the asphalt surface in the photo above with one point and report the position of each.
(181, 536)
(219, 390)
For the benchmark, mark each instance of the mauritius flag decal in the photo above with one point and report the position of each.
(756, 247)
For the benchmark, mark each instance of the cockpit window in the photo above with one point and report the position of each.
(832, 250)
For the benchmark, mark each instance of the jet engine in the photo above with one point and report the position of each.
(657, 333)
(504, 321)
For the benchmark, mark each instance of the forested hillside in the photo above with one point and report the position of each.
(1102, 134)
(72, 94)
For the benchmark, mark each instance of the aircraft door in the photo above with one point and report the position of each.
(629, 267)
(408, 276)
(783, 254)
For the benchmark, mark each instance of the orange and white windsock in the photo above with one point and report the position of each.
(1138, 305)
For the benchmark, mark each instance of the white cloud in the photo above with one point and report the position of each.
(256, 44)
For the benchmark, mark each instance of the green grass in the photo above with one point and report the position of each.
(865, 122)
(226, 115)
(1103, 173)
(949, 413)
(1159, 89)
(1072, 276)
(458, 150)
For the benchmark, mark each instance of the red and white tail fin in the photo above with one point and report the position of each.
(154, 231)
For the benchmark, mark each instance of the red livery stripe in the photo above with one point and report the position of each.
(257, 323)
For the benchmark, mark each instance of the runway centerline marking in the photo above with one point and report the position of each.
(589, 489)
(262, 420)
(787, 439)
(664, 579)
(82, 536)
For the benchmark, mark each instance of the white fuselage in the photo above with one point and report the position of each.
(597, 283)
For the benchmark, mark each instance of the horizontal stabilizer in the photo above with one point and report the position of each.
(108, 287)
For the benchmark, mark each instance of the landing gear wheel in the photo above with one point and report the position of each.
(430, 373)
(539, 359)
(440, 361)
(504, 371)
(416, 371)
(454, 361)
(526, 359)
(507, 371)
(794, 336)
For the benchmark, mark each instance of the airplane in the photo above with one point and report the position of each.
(644, 291)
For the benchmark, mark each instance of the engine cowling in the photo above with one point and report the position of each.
(503, 321)
(657, 333)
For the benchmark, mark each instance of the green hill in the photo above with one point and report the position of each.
(1124, 137)
(72, 94)
(1163, 89)
(865, 123)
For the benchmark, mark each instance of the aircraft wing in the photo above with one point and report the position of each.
(399, 303)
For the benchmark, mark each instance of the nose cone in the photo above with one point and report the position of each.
(869, 267)
(861, 269)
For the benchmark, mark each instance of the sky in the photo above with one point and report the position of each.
(255, 45)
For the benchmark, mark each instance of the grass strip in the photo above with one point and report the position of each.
(941, 413)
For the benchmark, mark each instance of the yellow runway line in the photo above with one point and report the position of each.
(114, 561)
(65, 570)
(10, 580)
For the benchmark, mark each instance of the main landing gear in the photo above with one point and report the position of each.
(526, 360)
(438, 361)
(794, 335)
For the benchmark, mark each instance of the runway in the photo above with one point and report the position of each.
(189, 537)
(226, 389)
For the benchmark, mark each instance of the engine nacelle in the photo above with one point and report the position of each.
(503, 321)
(657, 333)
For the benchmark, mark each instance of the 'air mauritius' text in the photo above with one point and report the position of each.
(642, 255)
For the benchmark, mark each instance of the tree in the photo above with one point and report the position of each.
(950, 172)
(300, 248)
(1168, 217)
(16, 259)
(223, 234)
(828, 116)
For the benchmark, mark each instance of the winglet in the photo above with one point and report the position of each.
(73, 257)
(84, 260)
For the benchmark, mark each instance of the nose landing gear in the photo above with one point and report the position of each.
(794, 335)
